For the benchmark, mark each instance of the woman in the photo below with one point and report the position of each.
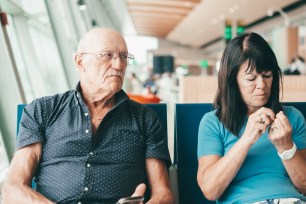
(251, 149)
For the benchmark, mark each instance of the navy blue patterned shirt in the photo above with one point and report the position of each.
(79, 167)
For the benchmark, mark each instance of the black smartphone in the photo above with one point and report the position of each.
(131, 200)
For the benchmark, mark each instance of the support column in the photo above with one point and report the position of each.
(285, 45)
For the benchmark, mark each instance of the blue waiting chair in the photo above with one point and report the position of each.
(301, 106)
(187, 120)
(161, 110)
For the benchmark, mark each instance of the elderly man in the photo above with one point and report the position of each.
(92, 144)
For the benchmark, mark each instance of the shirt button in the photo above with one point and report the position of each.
(86, 131)
(79, 202)
(86, 114)
(88, 165)
(91, 153)
(85, 189)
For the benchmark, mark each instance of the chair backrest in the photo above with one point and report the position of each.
(301, 106)
(187, 120)
(20, 108)
(161, 110)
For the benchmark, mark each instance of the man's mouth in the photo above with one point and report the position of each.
(114, 75)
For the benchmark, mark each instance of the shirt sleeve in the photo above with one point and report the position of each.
(156, 142)
(209, 136)
(298, 124)
(31, 125)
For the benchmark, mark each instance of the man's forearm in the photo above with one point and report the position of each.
(13, 193)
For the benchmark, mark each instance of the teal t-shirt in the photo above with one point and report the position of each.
(262, 175)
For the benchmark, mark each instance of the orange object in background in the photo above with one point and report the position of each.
(151, 98)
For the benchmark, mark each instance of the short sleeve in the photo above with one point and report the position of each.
(31, 125)
(209, 136)
(298, 124)
(156, 142)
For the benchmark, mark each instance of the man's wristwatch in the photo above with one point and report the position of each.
(288, 154)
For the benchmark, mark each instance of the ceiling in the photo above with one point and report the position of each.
(196, 23)
(158, 17)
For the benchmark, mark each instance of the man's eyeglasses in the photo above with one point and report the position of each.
(107, 56)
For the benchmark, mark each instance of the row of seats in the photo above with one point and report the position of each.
(184, 169)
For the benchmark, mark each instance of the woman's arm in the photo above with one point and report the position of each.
(296, 168)
(215, 173)
(17, 188)
(281, 136)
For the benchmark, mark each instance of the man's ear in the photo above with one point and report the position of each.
(78, 59)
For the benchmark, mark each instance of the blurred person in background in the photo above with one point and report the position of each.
(150, 84)
(297, 67)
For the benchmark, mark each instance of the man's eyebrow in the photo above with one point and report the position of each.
(105, 49)
(111, 50)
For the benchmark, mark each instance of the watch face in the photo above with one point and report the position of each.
(287, 155)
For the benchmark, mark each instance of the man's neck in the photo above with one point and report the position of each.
(99, 106)
(99, 100)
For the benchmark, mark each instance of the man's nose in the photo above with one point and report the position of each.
(116, 62)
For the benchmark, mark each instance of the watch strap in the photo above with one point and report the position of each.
(288, 154)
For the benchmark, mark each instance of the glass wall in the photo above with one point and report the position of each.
(37, 49)
(4, 162)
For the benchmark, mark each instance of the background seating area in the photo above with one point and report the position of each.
(183, 172)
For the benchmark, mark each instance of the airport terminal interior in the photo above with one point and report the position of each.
(177, 46)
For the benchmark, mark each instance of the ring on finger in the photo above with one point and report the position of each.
(272, 129)
(260, 119)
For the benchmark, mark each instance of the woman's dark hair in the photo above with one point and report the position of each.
(231, 108)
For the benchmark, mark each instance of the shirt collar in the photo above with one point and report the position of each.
(121, 96)
(77, 94)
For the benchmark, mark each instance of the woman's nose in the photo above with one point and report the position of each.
(260, 82)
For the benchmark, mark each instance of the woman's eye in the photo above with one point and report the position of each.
(251, 79)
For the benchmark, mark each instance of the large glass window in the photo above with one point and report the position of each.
(4, 163)
(37, 58)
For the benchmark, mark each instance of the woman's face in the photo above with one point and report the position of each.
(255, 88)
